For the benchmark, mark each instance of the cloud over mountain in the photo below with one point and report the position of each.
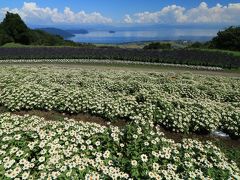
(174, 14)
(32, 13)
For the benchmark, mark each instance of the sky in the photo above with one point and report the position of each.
(125, 12)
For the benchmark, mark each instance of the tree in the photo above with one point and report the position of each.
(199, 45)
(158, 45)
(14, 27)
(4, 38)
(228, 39)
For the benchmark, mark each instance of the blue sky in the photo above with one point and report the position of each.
(113, 8)
(125, 11)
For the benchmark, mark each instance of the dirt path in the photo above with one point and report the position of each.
(177, 137)
(53, 115)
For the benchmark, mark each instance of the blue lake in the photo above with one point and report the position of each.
(145, 35)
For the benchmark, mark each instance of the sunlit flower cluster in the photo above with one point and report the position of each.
(179, 102)
(97, 61)
(33, 148)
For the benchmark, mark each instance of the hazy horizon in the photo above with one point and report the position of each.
(166, 20)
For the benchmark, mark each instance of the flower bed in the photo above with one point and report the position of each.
(97, 61)
(179, 102)
(33, 148)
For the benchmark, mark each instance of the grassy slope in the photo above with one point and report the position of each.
(235, 53)
(14, 45)
(140, 45)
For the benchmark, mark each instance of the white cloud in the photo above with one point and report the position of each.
(179, 15)
(32, 13)
(128, 19)
(173, 14)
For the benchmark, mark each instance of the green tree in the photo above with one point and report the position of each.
(4, 38)
(228, 39)
(199, 45)
(14, 27)
(158, 45)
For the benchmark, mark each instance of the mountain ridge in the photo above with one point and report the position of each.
(56, 31)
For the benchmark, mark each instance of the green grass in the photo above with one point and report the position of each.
(140, 45)
(14, 45)
(235, 53)
(17, 45)
(133, 45)
(231, 152)
(3, 109)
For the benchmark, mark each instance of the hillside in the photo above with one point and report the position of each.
(59, 32)
(78, 31)
(14, 30)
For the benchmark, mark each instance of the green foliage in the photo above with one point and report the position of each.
(4, 38)
(196, 45)
(231, 151)
(55, 31)
(39, 37)
(199, 45)
(158, 45)
(234, 53)
(228, 39)
(13, 29)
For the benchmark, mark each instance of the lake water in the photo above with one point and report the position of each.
(145, 35)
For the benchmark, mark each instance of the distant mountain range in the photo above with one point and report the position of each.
(56, 31)
(78, 31)
(63, 33)
(188, 33)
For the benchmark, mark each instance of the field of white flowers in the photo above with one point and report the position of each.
(96, 61)
(33, 148)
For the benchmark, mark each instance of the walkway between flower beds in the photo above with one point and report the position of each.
(53, 115)
(177, 137)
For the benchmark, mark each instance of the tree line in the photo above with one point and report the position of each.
(13, 29)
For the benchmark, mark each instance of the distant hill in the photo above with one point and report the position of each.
(111, 31)
(14, 30)
(56, 31)
(78, 31)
